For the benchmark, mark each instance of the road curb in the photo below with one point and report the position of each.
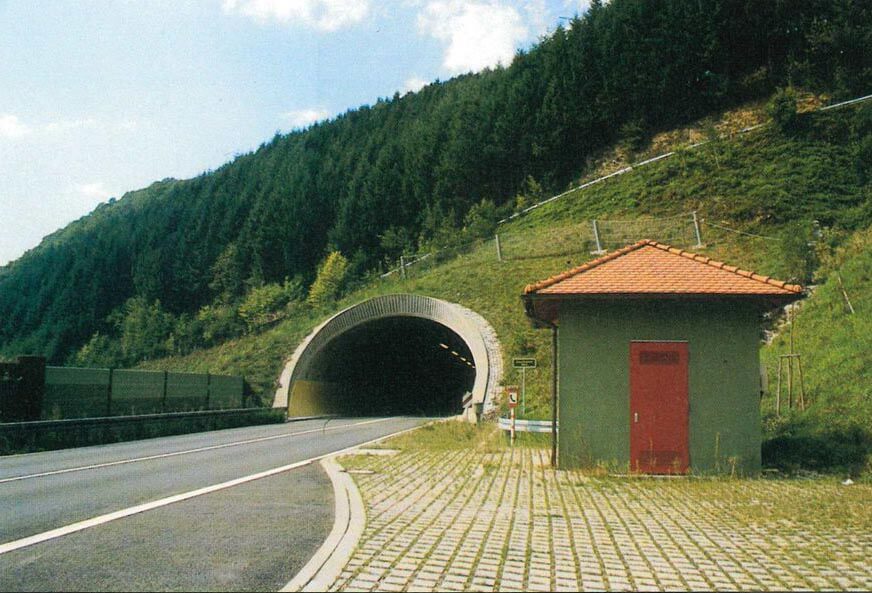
(325, 566)
(350, 519)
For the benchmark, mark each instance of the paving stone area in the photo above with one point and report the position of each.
(462, 520)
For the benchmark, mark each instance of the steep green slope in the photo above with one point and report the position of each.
(832, 333)
(400, 175)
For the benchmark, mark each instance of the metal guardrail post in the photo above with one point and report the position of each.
(696, 230)
(596, 236)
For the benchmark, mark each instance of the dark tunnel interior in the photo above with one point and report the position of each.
(396, 366)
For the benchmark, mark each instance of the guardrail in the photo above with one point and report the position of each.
(83, 422)
(20, 437)
(526, 425)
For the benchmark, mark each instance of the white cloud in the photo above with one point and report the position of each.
(70, 124)
(300, 118)
(477, 34)
(128, 125)
(413, 85)
(12, 127)
(537, 15)
(324, 15)
(94, 190)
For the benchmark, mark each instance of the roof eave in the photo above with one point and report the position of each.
(546, 317)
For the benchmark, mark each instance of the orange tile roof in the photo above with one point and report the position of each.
(652, 268)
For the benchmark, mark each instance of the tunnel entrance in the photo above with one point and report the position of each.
(396, 366)
(395, 354)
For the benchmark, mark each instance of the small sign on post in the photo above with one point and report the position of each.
(523, 364)
(512, 392)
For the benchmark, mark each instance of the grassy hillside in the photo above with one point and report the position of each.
(832, 332)
(765, 183)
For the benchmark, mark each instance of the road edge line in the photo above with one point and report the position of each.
(325, 566)
(148, 506)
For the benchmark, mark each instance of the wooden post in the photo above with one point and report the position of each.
(778, 391)
(792, 317)
(845, 293)
(499, 250)
(403, 267)
(801, 383)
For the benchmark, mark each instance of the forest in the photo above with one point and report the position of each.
(184, 264)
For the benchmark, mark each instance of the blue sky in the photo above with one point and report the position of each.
(99, 97)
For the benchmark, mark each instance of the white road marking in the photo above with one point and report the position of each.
(185, 452)
(141, 508)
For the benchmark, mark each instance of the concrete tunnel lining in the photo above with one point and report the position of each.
(472, 328)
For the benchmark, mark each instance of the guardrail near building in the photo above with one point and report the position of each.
(526, 425)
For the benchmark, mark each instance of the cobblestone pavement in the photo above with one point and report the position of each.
(462, 520)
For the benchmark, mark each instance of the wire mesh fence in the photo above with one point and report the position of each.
(550, 242)
(587, 237)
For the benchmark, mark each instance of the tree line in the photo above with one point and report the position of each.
(408, 172)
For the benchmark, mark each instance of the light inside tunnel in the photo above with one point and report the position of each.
(393, 366)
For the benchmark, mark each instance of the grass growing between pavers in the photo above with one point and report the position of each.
(459, 509)
(451, 434)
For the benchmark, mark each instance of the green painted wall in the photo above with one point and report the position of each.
(594, 380)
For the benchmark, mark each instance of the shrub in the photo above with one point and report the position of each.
(799, 445)
(863, 159)
(797, 259)
(266, 303)
(219, 323)
(330, 280)
(481, 220)
(783, 110)
(632, 137)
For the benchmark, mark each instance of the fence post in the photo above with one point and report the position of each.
(163, 401)
(699, 244)
(596, 236)
(242, 402)
(403, 267)
(208, 388)
(499, 250)
(109, 394)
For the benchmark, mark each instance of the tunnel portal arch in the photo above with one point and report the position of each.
(477, 334)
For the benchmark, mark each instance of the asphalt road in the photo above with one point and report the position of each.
(251, 536)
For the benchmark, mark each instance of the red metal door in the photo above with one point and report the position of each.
(659, 407)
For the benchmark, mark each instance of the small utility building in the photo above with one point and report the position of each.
(658, 360)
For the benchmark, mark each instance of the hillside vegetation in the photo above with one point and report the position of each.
(167, 269)
(770, 184)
